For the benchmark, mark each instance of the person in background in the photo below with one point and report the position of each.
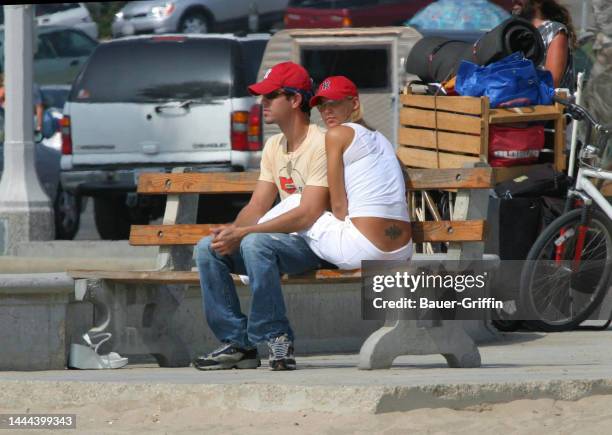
(555, 25)
(39, 109)
(37, 100)
(597, 96)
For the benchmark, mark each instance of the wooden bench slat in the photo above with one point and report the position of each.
(418, 179)
(192, 277)
(197, 182)
(448, 231)
(161, 235)
(185, 234)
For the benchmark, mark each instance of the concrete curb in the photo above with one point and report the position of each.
(28, 265)
(288, 398)
(90, 249)
(36, 283)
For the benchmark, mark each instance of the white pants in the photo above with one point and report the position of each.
(336, 241)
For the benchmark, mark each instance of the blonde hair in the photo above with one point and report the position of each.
(357, 114)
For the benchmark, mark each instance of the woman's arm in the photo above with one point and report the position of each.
(337, 139)
(556, 57)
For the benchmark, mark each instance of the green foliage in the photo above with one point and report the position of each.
(103, 13)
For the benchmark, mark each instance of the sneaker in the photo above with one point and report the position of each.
(281, 353)
(228, 356)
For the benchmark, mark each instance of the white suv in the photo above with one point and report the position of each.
(151, 103)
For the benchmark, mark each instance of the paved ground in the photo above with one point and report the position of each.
(565, 366)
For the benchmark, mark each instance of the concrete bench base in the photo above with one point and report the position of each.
(167, 322)
(40, 318)
(33, 313)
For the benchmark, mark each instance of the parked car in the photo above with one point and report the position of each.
(308, 14)
(181, 100)
(60, 54)
(196, 16)
(75, 15)
(66, 206)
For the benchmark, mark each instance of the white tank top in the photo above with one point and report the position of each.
(373, 177)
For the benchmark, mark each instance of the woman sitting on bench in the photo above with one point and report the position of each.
(369, 214)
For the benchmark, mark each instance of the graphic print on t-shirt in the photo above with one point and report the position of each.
(288, 183)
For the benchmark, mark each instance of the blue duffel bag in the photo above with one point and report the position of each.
(510, 82)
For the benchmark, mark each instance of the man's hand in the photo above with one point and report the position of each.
(226, 238)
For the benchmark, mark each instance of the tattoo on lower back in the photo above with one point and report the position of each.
(393, 232)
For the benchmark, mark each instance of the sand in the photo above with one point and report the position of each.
(591, 415)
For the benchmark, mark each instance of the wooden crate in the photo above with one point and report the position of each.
(447, 132)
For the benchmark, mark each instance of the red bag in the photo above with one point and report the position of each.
(511, 146)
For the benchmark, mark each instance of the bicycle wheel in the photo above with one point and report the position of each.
(560, 289)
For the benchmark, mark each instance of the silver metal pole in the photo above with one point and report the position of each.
(575, 124)
(25, 209)
(584, 16)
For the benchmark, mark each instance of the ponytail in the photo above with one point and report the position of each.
(357, 117)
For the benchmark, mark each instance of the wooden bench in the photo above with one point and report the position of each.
(153, 333)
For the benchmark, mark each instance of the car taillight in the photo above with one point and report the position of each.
(254, 129)
(66, 135)
(347, 22)
(239, 127)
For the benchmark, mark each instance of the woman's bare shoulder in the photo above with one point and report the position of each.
(340, 133)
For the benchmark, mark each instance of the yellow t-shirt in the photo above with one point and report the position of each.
(291, 172)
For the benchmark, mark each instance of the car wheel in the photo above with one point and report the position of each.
(67, 212)
(112, 217)
(194, 22)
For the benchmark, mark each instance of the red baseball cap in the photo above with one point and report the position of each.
(334, 88)
(283, 75)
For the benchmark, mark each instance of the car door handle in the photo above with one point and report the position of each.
(74, 62)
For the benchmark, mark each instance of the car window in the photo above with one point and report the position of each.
(52, 8)
(323, 62)
(252, 53)
(70, 43)
(44, 50)
(155, 70)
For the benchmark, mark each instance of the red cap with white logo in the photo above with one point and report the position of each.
(334, 88)
(283, 75)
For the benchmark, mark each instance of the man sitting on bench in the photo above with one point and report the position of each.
(292, 162)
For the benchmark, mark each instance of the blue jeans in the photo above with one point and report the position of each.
(263, 257)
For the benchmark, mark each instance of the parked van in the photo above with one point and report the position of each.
(152, 103)
(374, 58)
